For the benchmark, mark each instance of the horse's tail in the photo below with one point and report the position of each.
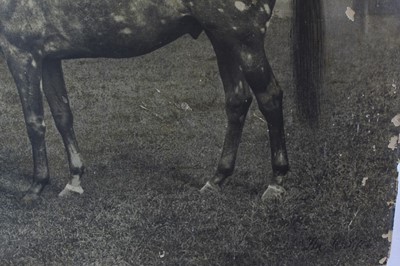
(308, 49)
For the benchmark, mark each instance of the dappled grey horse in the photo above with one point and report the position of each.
(35, 35)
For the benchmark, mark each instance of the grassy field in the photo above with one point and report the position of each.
(147, 155)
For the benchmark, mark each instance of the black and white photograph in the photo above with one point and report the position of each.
(199, 132)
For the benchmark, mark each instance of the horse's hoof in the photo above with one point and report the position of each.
(30, 197)
(32, 194)
(274, 193)
(209, 187)
(70, 190)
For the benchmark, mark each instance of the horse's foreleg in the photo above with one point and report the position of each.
(260, 77)
(56, 94)
(238, 99)
(26, 71)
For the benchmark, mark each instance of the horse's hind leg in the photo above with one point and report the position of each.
(249, 59)
(26, 71)
(237, 101)
(55, 91)
(259, 75)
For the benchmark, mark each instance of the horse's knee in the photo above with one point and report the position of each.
(265, 87)
(250, 61)
(258, 73)
(226, 166)
(237, 106)
(63, 120)
(36, 127)
(260, 77)
(280, 163)
(270, 101)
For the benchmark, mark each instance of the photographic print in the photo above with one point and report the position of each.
(199, 132)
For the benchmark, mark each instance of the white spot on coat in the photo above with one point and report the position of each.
(33, 63)
(51, 47)
(220, 10)
(234, 28)
(65, 100)
(119, 18)
(267, 9)
(240, 6)
(350, 13)
(126, 31)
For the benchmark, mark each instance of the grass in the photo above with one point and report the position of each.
(141, 204)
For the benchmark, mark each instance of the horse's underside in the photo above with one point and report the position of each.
(35, 35)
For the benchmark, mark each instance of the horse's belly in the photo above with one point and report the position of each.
(93, 29)
(128, 41)
(125, 42)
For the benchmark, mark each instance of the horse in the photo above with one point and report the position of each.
(36, 35)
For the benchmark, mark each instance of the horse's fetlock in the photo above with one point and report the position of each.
(280, 163)
(226, 167)
(77, 171)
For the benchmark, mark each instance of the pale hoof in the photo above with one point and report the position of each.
(209, 187)
(274, 193)
(70, 190)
